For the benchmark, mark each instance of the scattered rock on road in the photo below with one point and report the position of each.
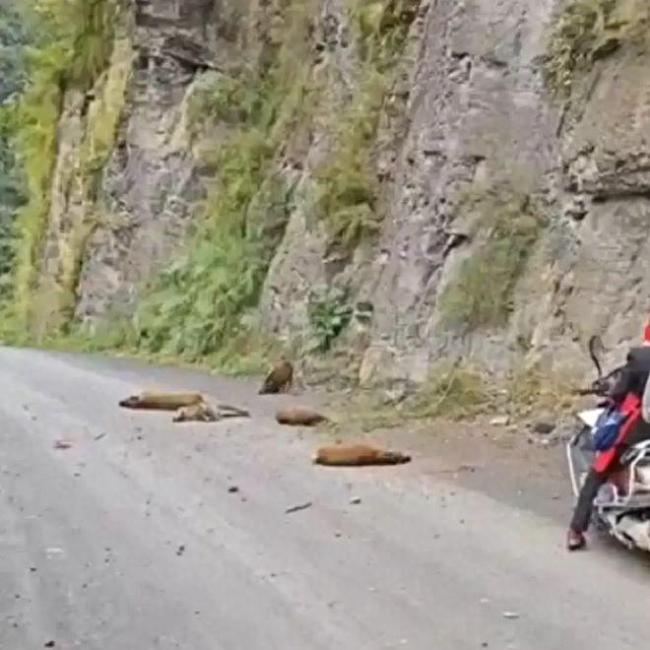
(543, 428)
(302, 506)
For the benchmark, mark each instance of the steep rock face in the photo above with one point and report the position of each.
(468, 137)
(126, 181)
(476, 115)
(602, 273)
(477, 118)
(152, 181)
(481, 121)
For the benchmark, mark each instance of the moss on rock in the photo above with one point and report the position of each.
(480, 294)
(587, 30)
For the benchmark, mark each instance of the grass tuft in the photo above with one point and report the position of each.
(587, 30)
(480, 295)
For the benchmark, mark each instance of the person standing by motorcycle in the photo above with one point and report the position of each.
(626, 396)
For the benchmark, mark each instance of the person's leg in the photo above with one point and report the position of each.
(582, 512)
(609, 462)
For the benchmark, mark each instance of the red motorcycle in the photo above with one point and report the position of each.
(622, 506)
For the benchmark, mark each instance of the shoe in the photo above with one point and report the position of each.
(575, 541)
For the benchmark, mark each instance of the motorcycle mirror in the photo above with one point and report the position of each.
(596, 347)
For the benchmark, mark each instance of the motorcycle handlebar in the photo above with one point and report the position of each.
(587, 391)
(599, 390)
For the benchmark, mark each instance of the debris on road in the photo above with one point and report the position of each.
(510, 615)
(53, 550)
(181, 550)
(302, 506)
(100, 436)
(355, 501)
(299, 416)
(543, 434)
(543, 428)
(464, 467)
(62, 444)
(233, 489)
(358, 455)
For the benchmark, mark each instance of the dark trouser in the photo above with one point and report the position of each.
(594, 480)
(588, 492)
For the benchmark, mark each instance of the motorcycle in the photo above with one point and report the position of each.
(622, 506)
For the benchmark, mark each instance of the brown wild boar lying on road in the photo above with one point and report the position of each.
(299, 416)
(358, 455)
(189, 407)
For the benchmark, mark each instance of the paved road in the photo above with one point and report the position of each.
(131, 539)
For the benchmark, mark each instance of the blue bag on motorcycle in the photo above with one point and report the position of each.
(607, 429)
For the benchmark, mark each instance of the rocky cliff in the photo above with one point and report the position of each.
(387, 183)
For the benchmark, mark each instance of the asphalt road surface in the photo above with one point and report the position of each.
(146, 534)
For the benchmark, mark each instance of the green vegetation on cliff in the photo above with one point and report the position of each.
(72, 39)
(195, 306)
(199, 305)
(588, 30)
(480, 294)
(11, 199)
(12, 43)
(347, 183)
(12, 74)
(78, 186)
(202, 304)
(348, 189)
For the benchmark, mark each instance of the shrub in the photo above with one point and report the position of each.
(347, 186)
(195, 307)
(329, 315)
(480, 296)
(200, 306)
(452, 391)
(589, 29)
